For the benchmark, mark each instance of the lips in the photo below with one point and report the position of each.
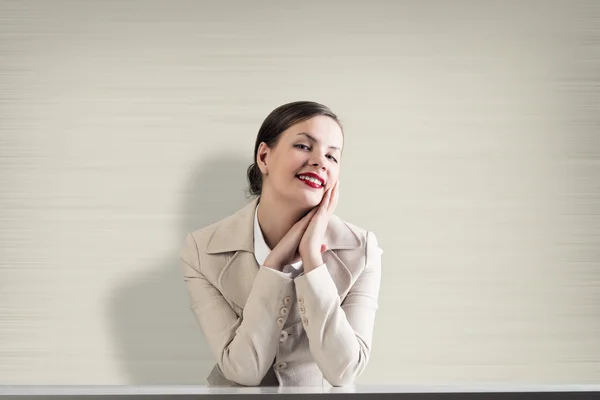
(312, 180)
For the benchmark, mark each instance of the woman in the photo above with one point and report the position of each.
(304, 311)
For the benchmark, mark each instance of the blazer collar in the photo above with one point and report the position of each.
(236, 233)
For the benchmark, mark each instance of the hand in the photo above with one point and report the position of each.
(312, 244)
(286, 251)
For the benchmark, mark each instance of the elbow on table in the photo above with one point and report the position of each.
(242, 373)
(244, 378)
(346, 373)
(340, 380)
(346, 376)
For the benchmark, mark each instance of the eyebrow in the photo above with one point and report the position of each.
(312, 139)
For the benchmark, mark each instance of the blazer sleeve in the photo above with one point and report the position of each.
(245, 348)
(340, 335)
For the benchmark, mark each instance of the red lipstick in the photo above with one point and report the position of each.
(310, 183)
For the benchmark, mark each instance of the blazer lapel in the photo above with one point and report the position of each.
(234, 239)
(339, 236)
(235, 232)
(237, 277)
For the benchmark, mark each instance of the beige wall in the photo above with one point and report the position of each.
(472, 152)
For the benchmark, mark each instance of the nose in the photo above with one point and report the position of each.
(317, 161)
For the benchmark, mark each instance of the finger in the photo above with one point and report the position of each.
(305, 221)
(322, 210)
(334, 197)
(323, 248)
(326, 199)
(331, 198)
(310, 214)
(334, 194)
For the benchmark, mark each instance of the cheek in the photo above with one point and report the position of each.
(334, 173)
(294, 161)
(288, 167)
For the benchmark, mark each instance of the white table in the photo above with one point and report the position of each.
(404, 392)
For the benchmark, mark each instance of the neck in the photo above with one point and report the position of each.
(276, 217)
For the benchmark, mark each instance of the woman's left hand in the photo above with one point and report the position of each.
(312, 244)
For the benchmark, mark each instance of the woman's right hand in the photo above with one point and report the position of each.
(286, 251)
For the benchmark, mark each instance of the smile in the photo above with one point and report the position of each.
(310, 181)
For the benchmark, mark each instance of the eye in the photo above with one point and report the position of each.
(332, 158)
(302, 146)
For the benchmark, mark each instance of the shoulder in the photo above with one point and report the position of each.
(342, 234)
(229, 234)
(202, 236)
(357, 230)
(355, 247)
(367, 237)
(212, 248)
(195, 244)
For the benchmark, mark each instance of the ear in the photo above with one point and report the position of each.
(262, 156)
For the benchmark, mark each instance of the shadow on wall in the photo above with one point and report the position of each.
(156, 336)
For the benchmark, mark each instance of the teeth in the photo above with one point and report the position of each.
(313, 180)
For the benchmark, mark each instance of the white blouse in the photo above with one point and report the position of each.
(261, 251)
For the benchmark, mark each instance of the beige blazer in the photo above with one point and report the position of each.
(269, 330)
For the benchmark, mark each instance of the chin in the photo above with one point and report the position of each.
(311, 200)
(304, 198)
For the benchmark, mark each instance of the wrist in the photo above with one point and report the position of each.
(273, 264)
(312, 261)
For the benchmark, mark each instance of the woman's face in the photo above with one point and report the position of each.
(304, 163)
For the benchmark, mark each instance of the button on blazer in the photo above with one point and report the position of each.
(270, 330)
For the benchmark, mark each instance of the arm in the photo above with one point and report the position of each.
(340, 336)
(244, 347)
